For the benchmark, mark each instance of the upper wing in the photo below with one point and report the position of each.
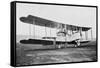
(30, 19)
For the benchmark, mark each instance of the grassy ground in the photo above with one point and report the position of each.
(37, 54)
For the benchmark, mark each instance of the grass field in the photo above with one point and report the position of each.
(28, 54)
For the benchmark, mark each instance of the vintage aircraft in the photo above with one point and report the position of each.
(66, 34)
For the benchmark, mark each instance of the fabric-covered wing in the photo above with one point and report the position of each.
(30, 19)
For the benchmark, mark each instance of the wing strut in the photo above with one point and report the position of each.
(91, 35)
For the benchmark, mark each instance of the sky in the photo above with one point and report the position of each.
(79, 16)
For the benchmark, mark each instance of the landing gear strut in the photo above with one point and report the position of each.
(77, 43)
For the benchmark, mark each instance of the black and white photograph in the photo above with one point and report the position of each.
(54, 34)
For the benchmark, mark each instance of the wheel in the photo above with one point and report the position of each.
(75, 45)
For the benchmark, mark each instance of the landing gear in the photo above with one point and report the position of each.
(60, 46)
(77, 43)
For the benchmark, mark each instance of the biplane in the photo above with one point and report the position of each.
(65, 34)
